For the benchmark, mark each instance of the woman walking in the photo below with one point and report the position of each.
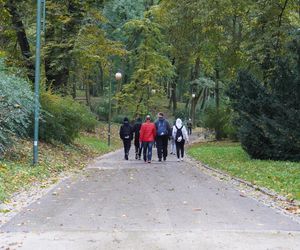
(147, 137)
(180, 136)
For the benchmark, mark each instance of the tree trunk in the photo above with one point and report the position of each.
(197, 68)
(56, 79)
(74, 92)
(22, 37)
(174, 97)
(87, 94)
(217, 92)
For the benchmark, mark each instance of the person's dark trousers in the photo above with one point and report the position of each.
(127, 145)
(162, 147)
(180, 149)
(147, 151)
(138, 149)
(190, 131)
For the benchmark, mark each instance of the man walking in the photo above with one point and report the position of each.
(147, 137)
(163, 132)
(127, 136)
(136, 130)
(189, 126)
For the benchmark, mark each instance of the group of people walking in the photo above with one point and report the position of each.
(158, 133)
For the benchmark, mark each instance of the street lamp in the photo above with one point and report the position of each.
(193, 108)
(37, 80)
(153, 91)
(118, 77)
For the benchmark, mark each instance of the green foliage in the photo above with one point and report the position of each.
(16, 107)
(181, 113)
(118, 119)
(151, 66)
(101, 109)
(63, 118)
(269, 115)
(220, 120)
(282, 177)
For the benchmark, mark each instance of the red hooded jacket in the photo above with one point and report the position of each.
(147, 132)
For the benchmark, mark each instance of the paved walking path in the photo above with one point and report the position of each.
(117, 204)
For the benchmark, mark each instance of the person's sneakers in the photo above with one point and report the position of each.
(165, 158)
(159, 159)
(139, 158)
(126, 157)
(178, 159)
(182, 159)
(136, 156)
(149, 161)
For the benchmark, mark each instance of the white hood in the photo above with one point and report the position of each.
(178, 123)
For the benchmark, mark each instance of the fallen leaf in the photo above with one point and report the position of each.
(196, 209)
(294, 210)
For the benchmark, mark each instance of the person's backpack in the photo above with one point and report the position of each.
(162, 128)
(179, 135)
(126, 132)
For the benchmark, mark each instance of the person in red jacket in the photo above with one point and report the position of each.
(147, 138)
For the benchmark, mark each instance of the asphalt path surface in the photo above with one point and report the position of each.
(118, 204)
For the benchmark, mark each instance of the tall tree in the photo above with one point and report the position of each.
(151, 65)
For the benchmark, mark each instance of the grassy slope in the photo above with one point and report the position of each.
(16, 171)
(282, 177)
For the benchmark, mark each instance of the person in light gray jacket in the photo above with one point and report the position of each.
(180, 136)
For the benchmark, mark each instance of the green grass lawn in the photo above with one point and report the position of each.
(280, 176)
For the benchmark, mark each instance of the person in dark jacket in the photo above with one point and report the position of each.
(163, 133)
(136, 131)
(126, 135)
(189, 126)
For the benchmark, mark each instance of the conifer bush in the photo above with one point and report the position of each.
(220, 120)
(269, 113)
(16, 108)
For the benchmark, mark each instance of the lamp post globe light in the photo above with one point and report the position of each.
(118, 77)
(193, 95)
(153, 91)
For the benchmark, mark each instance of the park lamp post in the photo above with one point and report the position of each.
(41, 4)
(193, 108)
(118, 77)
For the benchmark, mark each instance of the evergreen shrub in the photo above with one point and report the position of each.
(63, 118)
(220, 120)
(269, 114)
(16, 107)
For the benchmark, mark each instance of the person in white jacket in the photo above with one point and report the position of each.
(180, 136)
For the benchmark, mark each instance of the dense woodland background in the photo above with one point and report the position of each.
(232, 66)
